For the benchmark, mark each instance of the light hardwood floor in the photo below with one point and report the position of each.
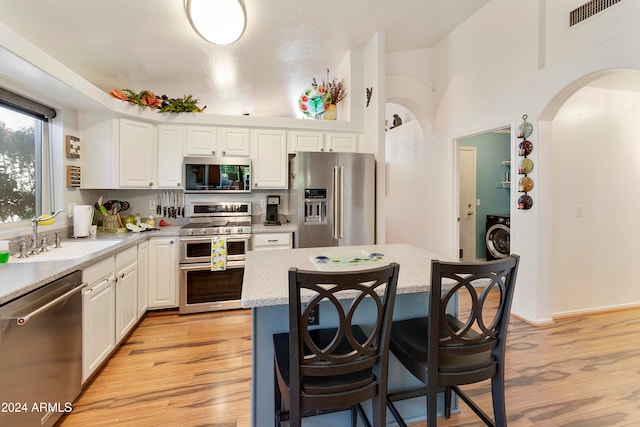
(195, 370)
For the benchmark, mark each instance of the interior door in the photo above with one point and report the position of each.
(467, 209)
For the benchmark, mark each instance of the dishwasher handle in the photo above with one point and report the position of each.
(22, 320)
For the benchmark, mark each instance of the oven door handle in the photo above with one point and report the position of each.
(230, 237)
(205, 267)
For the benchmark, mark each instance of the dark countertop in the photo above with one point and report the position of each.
(18, 279)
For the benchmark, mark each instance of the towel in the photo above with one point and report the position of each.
(218, 253)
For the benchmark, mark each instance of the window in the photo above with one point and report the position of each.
(20, 165)
(24, 155)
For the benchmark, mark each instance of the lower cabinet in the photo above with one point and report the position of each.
(163, 272)
(126, 299)
(121, 289)
(98, 315)
(110, 306)
(143, 278)
(265, 241)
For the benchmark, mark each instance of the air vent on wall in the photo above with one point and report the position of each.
(589, 9)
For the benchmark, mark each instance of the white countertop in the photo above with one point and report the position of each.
(266, 272)
(17, 279)
(287, 227)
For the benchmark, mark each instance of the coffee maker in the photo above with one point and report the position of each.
(272, 210)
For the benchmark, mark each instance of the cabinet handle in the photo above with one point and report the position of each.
(224, 152)
(122, 276)
(322, 149)
(255, 184)
(213, 152)
(151, 184)
(171, 242)
(178, 184)
(272, 240)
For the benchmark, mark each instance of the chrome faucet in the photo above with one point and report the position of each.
(33, 249)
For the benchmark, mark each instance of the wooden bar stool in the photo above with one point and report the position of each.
(446, 351)
(332, 369)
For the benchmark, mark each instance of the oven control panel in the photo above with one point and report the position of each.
(212, 231)
(214, 209)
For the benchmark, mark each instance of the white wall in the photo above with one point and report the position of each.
(595, 209)
(405, 207)
(488, 79)
(561, 41)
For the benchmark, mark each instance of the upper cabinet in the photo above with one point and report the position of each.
(212, 141)
(136, 154)
(99, 135)
(201, 141)
(342, 142)
(269, 159)
(117, 153)
(306, 141)
(233, 142)
(170, 148)
(323, 141)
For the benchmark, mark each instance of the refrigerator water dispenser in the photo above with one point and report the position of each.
(315, 206)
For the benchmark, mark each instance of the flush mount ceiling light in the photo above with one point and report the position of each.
(217, 21)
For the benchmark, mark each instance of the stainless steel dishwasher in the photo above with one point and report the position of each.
(41, 353)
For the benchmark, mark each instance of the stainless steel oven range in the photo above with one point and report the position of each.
(202, 289)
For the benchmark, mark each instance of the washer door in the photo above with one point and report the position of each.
(498, 244)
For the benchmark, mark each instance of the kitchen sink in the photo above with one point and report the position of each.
(70, 249)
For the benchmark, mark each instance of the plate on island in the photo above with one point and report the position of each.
(360, 259)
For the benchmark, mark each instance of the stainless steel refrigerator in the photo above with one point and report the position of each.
(332, 199)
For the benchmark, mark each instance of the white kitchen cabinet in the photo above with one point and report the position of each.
(201, 141)
(163, 272)
(99, 134)
(306, 141)
(136, 154)
(341, 142)
(323, 141)
(267, 241)
(143, 278)
(126, 291)
(269, 159)
(116, 153)
(212, 141)
(98, 315)
(233, 142)
(170, 153)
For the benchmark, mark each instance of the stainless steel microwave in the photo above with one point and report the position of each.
(217, 174)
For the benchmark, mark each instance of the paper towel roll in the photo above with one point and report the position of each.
(82, 219)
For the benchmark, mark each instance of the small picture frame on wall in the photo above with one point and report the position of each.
(73, 147)
(73, 176)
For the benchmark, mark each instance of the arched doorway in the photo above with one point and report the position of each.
(595, 159)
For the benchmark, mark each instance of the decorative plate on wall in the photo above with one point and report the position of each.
(525, 184)
(314, 101)
(525, 148)
(525, 166)
(525, 202)
(525, 130)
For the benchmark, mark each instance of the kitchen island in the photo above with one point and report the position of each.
(266, 292)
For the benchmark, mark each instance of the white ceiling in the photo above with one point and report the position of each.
(149, 44)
